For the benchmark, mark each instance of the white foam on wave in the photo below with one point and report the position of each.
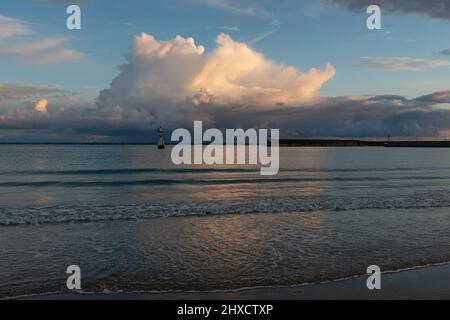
(38, 215)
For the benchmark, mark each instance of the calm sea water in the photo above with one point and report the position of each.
(134, 222)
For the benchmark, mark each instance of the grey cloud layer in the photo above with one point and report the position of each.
(24, 91)
(432, 8)
(371, 117)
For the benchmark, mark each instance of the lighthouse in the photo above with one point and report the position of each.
(161, 144)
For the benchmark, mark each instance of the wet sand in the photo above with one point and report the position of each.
(419, 284)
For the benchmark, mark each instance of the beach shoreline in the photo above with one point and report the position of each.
(424, 283)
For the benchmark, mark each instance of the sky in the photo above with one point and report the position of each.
(310, 68)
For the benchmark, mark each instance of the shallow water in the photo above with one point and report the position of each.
(132, 221)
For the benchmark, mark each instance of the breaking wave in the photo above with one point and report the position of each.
(58, 214)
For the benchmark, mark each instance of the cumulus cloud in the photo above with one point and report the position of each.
(174, 82)
(153, 83)
(403, 63)
(161, 78)
(439, 9)
(235, 73)
(41, 106)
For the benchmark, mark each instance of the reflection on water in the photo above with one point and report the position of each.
(134, 221)
(220, 252)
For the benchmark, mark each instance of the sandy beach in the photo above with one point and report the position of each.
(418, 284)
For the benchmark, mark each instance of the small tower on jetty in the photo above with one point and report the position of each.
(161, 144)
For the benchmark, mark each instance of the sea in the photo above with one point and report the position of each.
(134, 222)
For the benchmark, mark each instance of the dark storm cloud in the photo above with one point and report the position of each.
(437, 97)
(371, 117)
(341, 117)
(439, 9)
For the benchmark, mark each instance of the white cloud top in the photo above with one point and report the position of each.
(179, 70)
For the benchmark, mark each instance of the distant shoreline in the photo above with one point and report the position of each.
(329, 143)
(79, 143)
(362, 143)
(282, 143)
